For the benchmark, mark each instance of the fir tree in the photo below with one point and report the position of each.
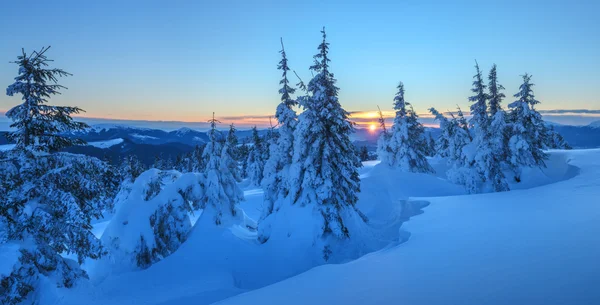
(325, 166)
(222, 193)
(555, 140)
(363, 153)
(256, 163)
(48, 200)
(384, 151)
(527, 130)
(486, 165)
(442, 145)
(431, 145)
(39, 125)
(275, 182)
(232, 148)
(496, 136)
(407, 142)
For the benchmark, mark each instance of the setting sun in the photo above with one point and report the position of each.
(372, 127)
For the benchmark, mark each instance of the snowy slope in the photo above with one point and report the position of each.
(107, 143)
(535, 246)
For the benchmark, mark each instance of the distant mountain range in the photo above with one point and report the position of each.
(113, 142)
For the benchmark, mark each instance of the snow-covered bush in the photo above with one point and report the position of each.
(48, 203)
(153, 221)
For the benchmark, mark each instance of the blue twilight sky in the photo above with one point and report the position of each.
(182, 60)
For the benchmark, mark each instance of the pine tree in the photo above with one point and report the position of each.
(232, 147)
(256, 163)
(364, 153)
(407, 141)
(48, 199)
(39, 125)
(222, 192)
(431, 146)
(497, 135)
(442, 145)
(275, 182)
(555, 140)
(487, 164)
(131, 167)
(461, 151)
(324, 174)
(384, 151)
(527, 130)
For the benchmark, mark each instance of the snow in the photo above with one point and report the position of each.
(7, 147)
(9, 255)
(183, 131)
(536, 244)
(106, 144)
(143, 137)
(595, 124)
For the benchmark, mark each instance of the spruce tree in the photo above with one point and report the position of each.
(497, 135)
(384, 151)
(39, 125)
(222, 193)
(487, 160)
(324, 174)
(527, 130)
(48, 199)
(232, 148)
(275, 181)
(442, 145)
(407, 141)
(363, 153)
(256, 163)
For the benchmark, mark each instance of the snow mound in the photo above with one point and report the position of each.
(106, 144)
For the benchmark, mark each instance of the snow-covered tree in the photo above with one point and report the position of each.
(497, 135)
(131, 167)
(487, 159)
(384, 151)
(153, 220)
(527, 130)
(363, 153)
(232, 148)
(431, 146)
(324, 173)
(461, 151)
(39, 125)
(442, 145)
(275, 181)
(256, 163)
(222, 193)
(48, 200)
(555, 140)
(407, 141)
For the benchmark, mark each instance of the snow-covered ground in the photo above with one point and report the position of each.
(106, 144)
(537, 244)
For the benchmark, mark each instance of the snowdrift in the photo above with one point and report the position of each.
(532, 246)
(463, 249)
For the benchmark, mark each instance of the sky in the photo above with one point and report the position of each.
(183, 60)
